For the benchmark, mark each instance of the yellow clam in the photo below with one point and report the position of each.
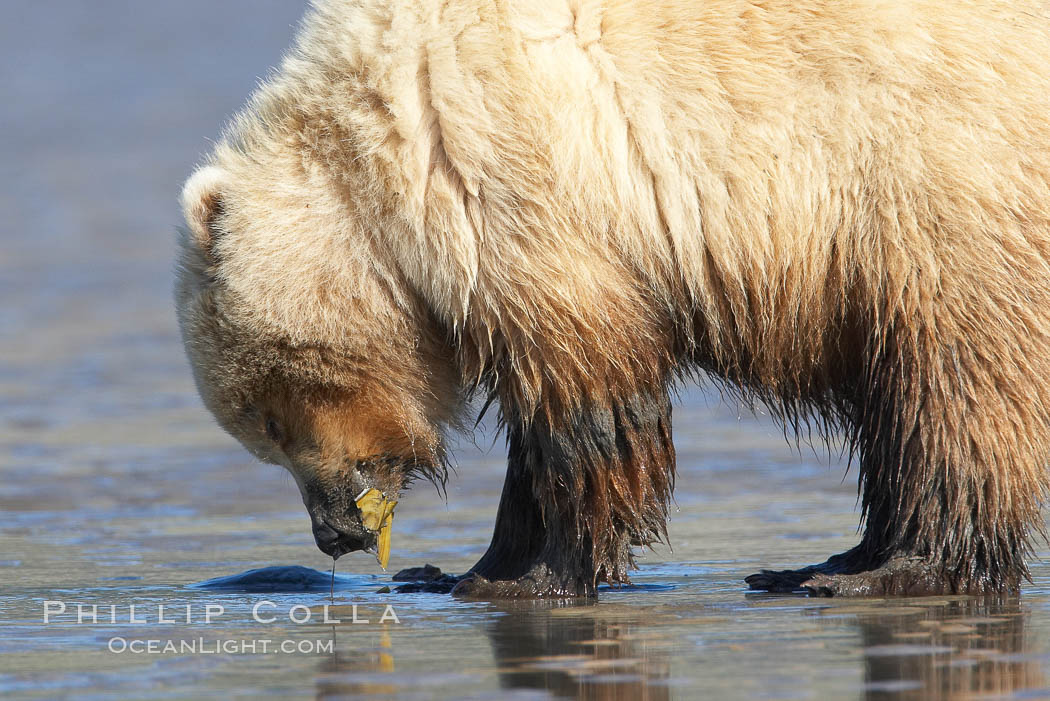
(377, 514)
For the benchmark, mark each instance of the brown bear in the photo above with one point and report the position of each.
(841, 209)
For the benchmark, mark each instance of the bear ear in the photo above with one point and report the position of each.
(202, 205)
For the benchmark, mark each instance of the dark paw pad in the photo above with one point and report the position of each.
(426, 579)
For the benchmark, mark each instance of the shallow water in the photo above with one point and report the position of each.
(118, 490)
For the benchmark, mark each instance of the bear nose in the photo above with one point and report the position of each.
(332, 542)
(338, 536)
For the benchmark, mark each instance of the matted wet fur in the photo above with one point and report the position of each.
(841, 209)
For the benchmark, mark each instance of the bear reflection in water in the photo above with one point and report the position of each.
(951, 649)
(961, 649)
(549, 645)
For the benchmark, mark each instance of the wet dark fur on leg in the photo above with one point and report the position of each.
(949, 495)
(578, 495)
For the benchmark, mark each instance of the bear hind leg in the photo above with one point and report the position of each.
(952, 451)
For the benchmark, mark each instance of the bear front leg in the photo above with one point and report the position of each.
(517, 540)
(580, 491)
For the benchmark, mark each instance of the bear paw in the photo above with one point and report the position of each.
(900, 576)
(538, 583)
(843, 576)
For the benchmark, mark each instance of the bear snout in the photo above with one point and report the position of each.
(338, 534)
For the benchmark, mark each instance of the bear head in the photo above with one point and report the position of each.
(305, 342)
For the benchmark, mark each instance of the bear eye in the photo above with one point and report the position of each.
(273, 431)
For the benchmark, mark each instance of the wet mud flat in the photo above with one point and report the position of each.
(684, 630)
(248, 601)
